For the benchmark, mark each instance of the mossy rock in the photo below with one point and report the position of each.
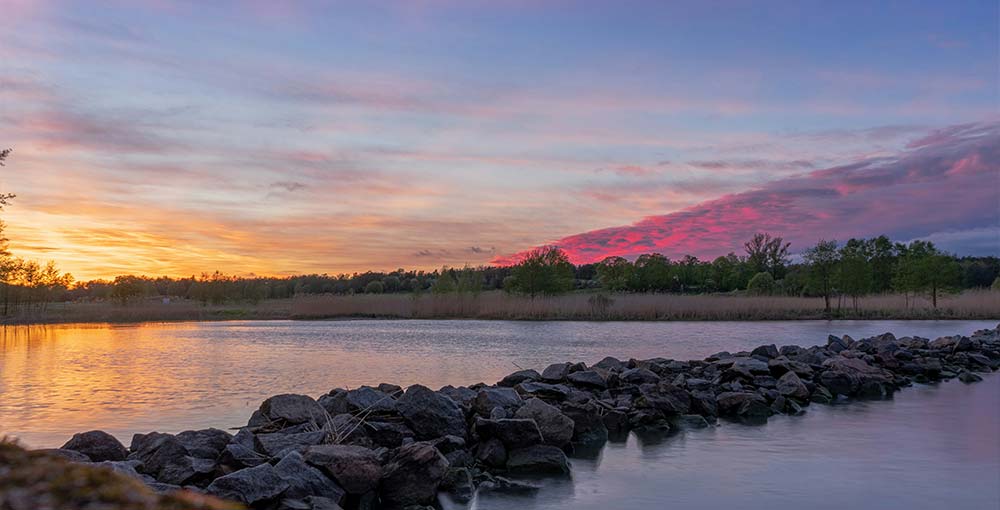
(34, 480)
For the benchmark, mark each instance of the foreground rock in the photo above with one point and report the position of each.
(381, 447)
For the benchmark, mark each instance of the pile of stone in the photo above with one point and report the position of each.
(383, 447)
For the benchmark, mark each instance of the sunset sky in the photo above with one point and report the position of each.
(268, 137)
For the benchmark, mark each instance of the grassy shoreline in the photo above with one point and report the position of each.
(969, 305)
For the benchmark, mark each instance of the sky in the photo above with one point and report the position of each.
(169, 137)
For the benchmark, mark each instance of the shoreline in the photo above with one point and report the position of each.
(402, 448)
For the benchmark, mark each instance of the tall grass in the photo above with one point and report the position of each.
(583, 306)
(151, 310)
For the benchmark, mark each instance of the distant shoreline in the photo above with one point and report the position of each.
(970, 305)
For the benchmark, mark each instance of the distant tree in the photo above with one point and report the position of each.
(996, 284)
(883, 257)
(730, 273)
(615, 273)
(690, 273)
(469, 281)
(854, 273)
(924, 268)
(766, 253)
(822, 261)
(5, 197)
(374, 287)
(126, 288)
(652, 272)
(445, 282)
(392, 283)
(545, 270)
(762, 284)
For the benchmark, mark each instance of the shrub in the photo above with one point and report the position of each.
(761, 284)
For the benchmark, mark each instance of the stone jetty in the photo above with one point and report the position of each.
(385, 447)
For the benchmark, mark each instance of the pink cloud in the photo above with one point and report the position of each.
(946, 181)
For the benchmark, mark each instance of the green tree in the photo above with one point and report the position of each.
(854, 274)
(445, 282)
(996, 284)
(766, 253)
(5, 197)
(545, 270)
(924, 268)
(652, 273)
(762, 284)
(469, 281)
(374, 287)
(822, 262)
(883, 256)
(730, 273)
(615, 273)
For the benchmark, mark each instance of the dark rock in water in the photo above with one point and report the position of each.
(639, 376)
(704, 403)
(969, 377)
(781, 365)
(557, 392)
(513, 433)
(288, 409)
(359, 400)
(539, 459)
(790, 385)
(746, 368)
(356, 469)
(690, 421)
(821, 395)
(70, 455)
(556, 372)
(388, 434)
(166, 459)
(97, 445)
(836, 344)
(846, 376)
(492, 453)
(462, 396)
(393, 390)
(186, 470)
(277, 444)
(249, 486)
(349, 429)
(666, 398)
(766, 351)
(431, 415)
(617, 423)
(556, 427)
(241, 452)
(458, 483)
(519, 377)
(610, 364)
(412, 476)
(587, 379)
(742, 404)
(305, 480)
(588, 427)
(489, 398)
(206, 443)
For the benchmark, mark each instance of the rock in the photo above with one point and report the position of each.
(458, 483)
(969, 377)
(123, 467)
(305, 480)
(556, 372)
(206, 443)
(538, 459)
(639, 376)
(97, 445)
(70, 455)
(186, 470)
(744, 405)
(388, 434)
(513, 433)
(519, 377)
(789, 385)
(241, 452)
(782, 365)
(360, 400)
(836, 344)
(615, 420)
(588, 427)
(704, 403)
(587, 379)
(413, 475)
(666, 398)
(288, 409)
(766, 351)
(556, 392)
(431, 415)
(462, 396)
(821, 395)
(492, 453)
(249, 486)
(356, 469)
(489, 398)
(847, 376)
(277, 444)
(690, 421)
(747, 368)
(556, 427)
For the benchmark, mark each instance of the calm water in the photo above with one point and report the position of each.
(930, 446)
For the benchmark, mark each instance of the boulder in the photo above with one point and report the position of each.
(587, 379)
(490, 398)
(513, 433)
(639, 376)
(413, 476)
(789, 385)
(666, 398)
(249, 486)
(557, 392)
(519, 377)
(430, 414)
(289, 409)
(206, 443)
(610, 364)
(538, 459)
(360, 400)
(556, 427)
(744, 405)
(588, 427)
(277, 444)
(70, 455)
(556, 372)
(766, 351)
(848, 376)
(305, 480)
(458, 483)
(356, 469)
(97, 445)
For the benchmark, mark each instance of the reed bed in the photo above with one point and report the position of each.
(586, 306)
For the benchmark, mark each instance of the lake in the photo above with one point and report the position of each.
(930, 446)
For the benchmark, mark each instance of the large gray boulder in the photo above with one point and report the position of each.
(413, 476)
(206, 443)
(538, 459)
(556, 427)
(790, 385)
(556, 372)
(355, 468)
(277, 444)
(489, 398)
(97, 445)
(666, 398)
(249, 486)
(288, 409)
(305, 480)
(513, 433)
(587, 379)
(431, 415)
